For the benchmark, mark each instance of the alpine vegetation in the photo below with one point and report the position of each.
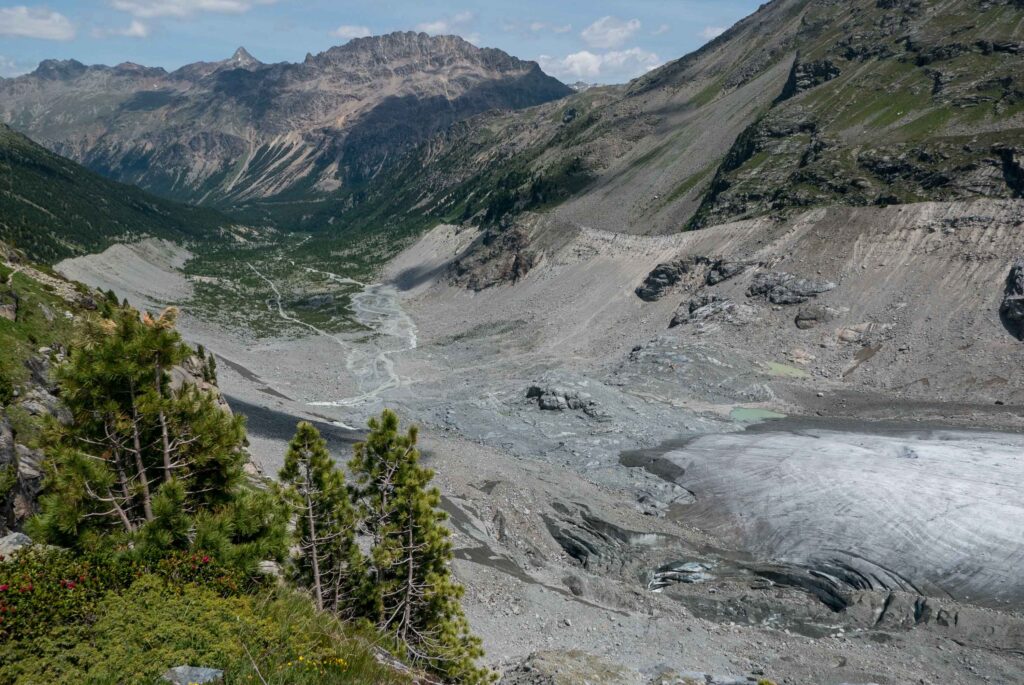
(403, 585)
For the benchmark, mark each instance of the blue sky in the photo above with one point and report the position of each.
(602, 41)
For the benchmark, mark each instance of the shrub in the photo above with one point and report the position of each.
(135, 635)
(42, 588)
(6, 389)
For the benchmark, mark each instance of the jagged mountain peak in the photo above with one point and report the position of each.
(242, 58)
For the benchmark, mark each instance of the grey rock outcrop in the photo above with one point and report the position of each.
(11, 543)
(499, 256)
(807, 75)
(28, 483)
(21, 469)
(561, 399)
(662, 279)
(724, 269)
(710, 308)
(784, 288)
(40, 366)
(39, 403)
(688, 572)
(1012, 309)
(9, 305)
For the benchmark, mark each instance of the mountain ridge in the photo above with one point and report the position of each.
(52, 208)
(239, 130)
(805, 103)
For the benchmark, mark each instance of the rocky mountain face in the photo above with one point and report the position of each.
(887, 102)
(238, 130)
(52, 208)
(805, 103)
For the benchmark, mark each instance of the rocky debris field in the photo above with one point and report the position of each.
(613, 508)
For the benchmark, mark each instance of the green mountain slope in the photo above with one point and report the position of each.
(804, 103)
(888, 102)
(52, 208)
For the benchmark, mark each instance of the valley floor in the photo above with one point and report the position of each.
(649, 516)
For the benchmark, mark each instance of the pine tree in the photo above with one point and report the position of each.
(330, 562)
(141, 459)
(415, 598)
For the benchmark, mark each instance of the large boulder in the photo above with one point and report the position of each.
(780, 287)
(1012, 309)
(812, 315)
(554, 398)
(662, 279)
(11, 543)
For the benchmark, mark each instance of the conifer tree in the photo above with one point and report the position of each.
(141, 459)
(415, 598)
(330, 562)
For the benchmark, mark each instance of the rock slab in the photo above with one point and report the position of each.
(187, 675)
(780, 287)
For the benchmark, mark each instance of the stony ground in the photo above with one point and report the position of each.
(547, 407)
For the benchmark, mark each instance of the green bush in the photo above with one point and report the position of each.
(6, 389)
(39, 590)
(135, 635)
(43, 588)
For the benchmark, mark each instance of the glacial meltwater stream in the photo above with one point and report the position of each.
(369, 359)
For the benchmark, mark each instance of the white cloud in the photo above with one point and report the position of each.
(661, 30)
(349, 32)
(457, 23)
(578, 65)
(148, 9)
(712, 32)
(526, 29)
(610, 32)
(35, 22)
(538, 26)
(10, 67)
(136, 29)
(588, 66)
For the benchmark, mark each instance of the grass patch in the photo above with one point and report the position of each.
(40, 322)
(708, 94)
(925, 125)
(785, 371)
